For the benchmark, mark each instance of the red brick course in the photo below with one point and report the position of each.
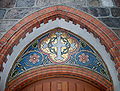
(59, 71)
(106, 36)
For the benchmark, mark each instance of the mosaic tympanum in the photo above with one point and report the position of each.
(59, 47)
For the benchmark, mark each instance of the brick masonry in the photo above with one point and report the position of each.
(21, 8)
(59, 71)
(12, 12)
(106, 36)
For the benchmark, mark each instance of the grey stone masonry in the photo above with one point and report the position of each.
(54, 2)
(115, 12)
(111, 22)
(6, 25)
(17, 13)
(2, 13)
(94, 3)
(25, 3)
(103, 12)
(22, 8)
(7, 3)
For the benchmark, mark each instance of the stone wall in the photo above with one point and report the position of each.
(12, 11)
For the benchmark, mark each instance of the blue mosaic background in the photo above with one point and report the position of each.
(84, 56)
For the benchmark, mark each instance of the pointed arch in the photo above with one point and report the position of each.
(70, 65)
(26, 25)
(107, 37)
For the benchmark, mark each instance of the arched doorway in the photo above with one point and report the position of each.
(86, 21)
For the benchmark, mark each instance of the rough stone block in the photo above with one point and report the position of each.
(18, 13)
(94, 11)
(103, 11)
(2, 13)
(94, 3)
(115, 12)
(111, 22)
(7, 3)
(56, 2)
(81, 2)
(42, 2)
(25, 3)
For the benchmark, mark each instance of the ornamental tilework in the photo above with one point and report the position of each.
(59, 47)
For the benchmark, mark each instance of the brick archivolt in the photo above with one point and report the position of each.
(106, 36)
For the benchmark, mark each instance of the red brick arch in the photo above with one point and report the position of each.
(107, 37)
(57, 71)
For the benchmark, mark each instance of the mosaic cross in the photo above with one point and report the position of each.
(59, 46)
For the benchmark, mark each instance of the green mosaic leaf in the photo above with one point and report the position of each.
(83, 44)
(103, 71)
(14, 73)
(35, 44)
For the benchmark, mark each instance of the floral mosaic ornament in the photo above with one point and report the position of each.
(34, 58)
(59, 47)
(84, 58)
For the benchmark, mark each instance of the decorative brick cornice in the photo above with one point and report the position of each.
(106, 36)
